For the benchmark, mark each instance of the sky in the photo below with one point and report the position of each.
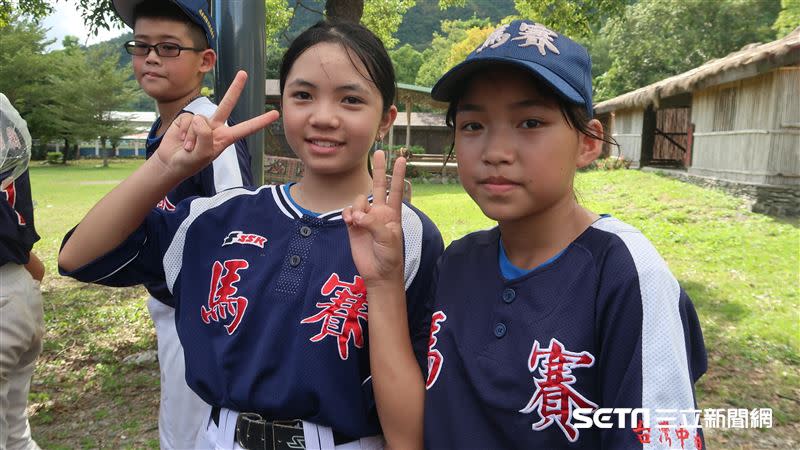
(66, 21)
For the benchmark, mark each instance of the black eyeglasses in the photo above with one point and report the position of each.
(165, 49)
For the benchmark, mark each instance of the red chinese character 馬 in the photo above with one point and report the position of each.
(435, 357)
(222, 301)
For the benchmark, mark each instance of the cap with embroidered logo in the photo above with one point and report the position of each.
(196, 10)
(556, 60)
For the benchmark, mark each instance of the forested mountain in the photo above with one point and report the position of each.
(421, 21)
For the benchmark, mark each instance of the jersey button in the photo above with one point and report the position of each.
(294, 260)
(509, 295)
(305, 231)
(500, 330)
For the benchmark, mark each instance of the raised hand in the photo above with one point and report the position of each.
(376, 232)
(193, 141)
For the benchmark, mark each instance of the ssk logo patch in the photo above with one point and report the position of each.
(238, 237)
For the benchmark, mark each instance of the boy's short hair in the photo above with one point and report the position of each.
(194, 13)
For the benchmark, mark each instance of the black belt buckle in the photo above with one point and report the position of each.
(255, 433)
(288, 434)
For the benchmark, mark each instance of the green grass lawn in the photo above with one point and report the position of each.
(741, 269)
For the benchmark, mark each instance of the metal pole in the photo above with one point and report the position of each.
(241, 45)
(409, 105)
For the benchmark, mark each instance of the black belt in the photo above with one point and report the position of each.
(255, 433)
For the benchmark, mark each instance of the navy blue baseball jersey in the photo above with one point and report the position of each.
(605, 325)
(17, 232)
(271, 311)
(230, 169)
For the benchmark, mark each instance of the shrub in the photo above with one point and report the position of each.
(415, 149)
(54, 157)
(610, 163)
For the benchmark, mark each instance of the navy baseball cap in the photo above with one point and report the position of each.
(196, 10)
(556, 60)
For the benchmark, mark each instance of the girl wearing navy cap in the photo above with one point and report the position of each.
(557, 311)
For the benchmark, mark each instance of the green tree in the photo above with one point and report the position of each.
(109, 90)
(788, 19)
(87, 87)
(25, 77)
(435, 57)
(384, 17)
(9, 9)
(406, 62)
(656, 39)
(573, 18)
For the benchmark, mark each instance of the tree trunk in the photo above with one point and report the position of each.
(103, 151)
(345, 10)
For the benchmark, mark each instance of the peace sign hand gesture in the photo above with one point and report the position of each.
(376, 232)
(193, 141)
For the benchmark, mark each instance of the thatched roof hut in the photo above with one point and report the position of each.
(752, 60)
(734, 121)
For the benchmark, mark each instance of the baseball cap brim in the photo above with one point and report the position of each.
(453, 81)
(124, 9)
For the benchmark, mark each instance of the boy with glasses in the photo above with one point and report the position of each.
(172, 50)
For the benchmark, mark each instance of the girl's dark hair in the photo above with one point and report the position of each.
(356, 38)
(575, 115)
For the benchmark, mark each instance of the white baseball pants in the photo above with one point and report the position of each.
(21, 331)
(181, 412)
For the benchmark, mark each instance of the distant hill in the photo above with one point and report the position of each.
(421, 21)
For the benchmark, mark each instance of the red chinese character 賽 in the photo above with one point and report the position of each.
(555, 398)
(341, 315)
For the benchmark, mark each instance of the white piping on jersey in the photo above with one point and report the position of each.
(173, 257)
(284, 204)
(366, 380)
(288, 207)
(122, 266)
(666, 382)
(226, 166)
(412, 242)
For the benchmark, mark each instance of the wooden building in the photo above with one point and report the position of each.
(733, 122)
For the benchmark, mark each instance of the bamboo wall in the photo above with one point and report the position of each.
(749, 131)
(627, 130)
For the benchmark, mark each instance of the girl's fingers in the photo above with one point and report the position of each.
(398, 184)
(190, 137)
(246, 128)
(201, 134)
(228, 102)
(379, 178)
(182, 123)
(360, 205)
(347, 215)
